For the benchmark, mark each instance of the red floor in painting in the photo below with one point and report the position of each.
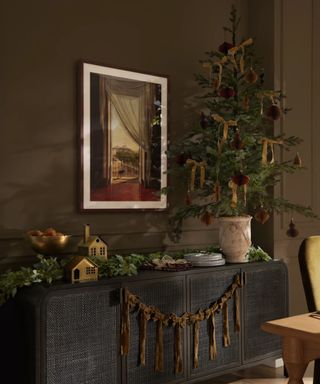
(126, 191)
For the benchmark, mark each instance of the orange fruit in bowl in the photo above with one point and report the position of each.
(50, 232)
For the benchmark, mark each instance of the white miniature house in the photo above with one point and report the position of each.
(92, 245)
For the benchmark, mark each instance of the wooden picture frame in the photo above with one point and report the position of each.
(123, 139)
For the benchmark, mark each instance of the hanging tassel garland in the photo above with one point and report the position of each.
(212, 341)
(131, 302)
(196, 331)
(226, 335)
(125, 323)
(159, 347)
(144, 318)
(178, 367)
(237, 310)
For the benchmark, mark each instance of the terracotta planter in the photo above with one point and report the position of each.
(235, 238)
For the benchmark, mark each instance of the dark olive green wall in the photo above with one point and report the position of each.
(41, 41)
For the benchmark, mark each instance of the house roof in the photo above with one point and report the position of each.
(90, 241)
(76, 260)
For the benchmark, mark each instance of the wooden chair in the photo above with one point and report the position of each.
(309, 261)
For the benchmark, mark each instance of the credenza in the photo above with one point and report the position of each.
(70, 333)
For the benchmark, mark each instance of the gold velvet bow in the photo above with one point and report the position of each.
(219, 64)
(232, 52)
(194, 165)
(265, 143)
(226, 126)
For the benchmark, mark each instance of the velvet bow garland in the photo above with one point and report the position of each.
(131, 302)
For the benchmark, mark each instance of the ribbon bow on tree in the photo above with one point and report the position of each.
(219, 64)
(226, 125)
(265, 143)
(195, 164)
(232, 52)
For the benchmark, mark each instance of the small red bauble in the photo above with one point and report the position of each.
(241, 179)
(203, 120)
(182, 158)
(237, 143)
(262, 216)
(206, 218)
(227, 92)
(273, 112)
(224, 47)
(292, 231)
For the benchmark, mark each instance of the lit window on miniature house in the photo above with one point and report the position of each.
(90, 270)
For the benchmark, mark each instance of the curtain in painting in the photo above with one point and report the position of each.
(124, 95)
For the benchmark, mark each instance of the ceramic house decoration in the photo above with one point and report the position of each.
(80, 270)
(92, 246)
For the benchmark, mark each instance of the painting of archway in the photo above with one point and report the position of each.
(124, 138)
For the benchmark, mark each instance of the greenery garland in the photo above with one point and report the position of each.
(48, 270)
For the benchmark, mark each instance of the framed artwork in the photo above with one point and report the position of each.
(123, 135)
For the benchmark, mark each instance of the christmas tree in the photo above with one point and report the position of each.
(227, 163)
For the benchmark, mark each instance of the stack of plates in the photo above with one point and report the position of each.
(201, 259)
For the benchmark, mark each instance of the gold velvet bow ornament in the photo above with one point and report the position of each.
(219, 64)
(226, 125)
(232, 52)
(265, 143)
(194, 165)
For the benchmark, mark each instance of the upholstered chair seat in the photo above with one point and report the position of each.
(309, 260)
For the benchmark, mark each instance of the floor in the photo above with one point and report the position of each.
(260, 374)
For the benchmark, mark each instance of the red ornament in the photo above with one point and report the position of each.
(224, 47)
(227, 92)
(292, 231)
(273, 112)
(237, 143)
(182, 158)
(262, 216)
(203, 120)
(206, 218)
(240, 179)
(188, 199)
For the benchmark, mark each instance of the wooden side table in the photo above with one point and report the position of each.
(300, 342)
